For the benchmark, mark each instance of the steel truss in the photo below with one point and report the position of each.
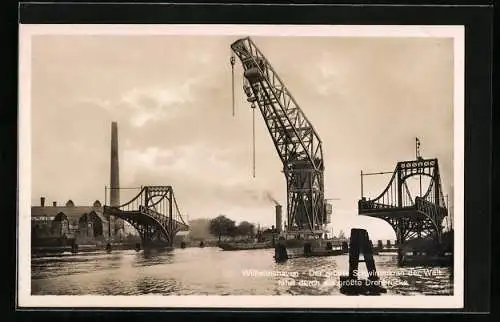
(154, 213)
(410, 217)
(297, 143)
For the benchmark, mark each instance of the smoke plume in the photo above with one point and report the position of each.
(271, 198)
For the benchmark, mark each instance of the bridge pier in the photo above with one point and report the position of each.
(74, 248)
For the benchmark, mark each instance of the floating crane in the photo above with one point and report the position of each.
(297, 143)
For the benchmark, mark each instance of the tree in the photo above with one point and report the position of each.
(232, 231)
(245, 229)
(341, 234)
(199, 229)
(222, 226)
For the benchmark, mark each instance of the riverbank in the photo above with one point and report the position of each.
(40, 250)
(46, 250)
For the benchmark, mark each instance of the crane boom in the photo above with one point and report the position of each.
(297, 143)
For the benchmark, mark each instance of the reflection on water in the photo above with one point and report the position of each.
(211, 271)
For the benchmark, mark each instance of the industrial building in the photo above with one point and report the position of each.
(84, 224)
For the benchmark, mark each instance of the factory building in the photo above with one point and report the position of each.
(86, 224)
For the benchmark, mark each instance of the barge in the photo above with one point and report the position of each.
(231, 246)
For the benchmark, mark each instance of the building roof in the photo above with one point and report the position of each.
(73, 212)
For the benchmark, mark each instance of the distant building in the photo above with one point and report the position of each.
(86, 224)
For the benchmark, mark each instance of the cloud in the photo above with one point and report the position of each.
(197, 161)
(200, 176)
(330, 76)
(104, 104)
(141, 105)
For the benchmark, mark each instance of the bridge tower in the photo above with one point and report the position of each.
(410, 216)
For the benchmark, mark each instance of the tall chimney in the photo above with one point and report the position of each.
(278, 218)
(42, 201)
(115, 178)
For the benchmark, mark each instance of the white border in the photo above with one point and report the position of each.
(25, 299)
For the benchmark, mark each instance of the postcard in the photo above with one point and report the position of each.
(241, 166)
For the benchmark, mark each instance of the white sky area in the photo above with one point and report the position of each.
(368, 98)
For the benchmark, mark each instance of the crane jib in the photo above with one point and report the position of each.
(266, 88)
(297, 143)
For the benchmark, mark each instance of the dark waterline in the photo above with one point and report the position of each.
(211, 271)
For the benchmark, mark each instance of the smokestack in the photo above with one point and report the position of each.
(54, 203)
(278, 218)
(115, 179)
(42, 201)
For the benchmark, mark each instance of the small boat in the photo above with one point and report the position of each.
(245, 245)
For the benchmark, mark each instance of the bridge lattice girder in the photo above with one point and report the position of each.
(154, 213)
(410, 217)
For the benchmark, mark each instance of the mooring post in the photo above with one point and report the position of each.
(74, 247)
(354, 250)
(351, 285)
(280, 252)
(362, 195)
(367, 248)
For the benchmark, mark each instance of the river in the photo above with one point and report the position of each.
(211, 271)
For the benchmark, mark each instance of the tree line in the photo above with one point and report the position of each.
(222, 226)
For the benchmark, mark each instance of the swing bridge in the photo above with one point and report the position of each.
(154, 213)
(410, 216)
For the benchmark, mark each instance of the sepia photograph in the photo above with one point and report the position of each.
(241, 166)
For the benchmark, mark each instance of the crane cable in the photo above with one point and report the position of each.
(232, 61)
(253, 138)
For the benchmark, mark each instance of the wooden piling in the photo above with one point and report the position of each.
(351, 284)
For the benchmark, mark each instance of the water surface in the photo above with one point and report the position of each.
(211, 271)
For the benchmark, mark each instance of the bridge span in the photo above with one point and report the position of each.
(154, 213)
(410, 216)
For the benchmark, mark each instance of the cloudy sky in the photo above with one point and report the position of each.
(368, 98)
